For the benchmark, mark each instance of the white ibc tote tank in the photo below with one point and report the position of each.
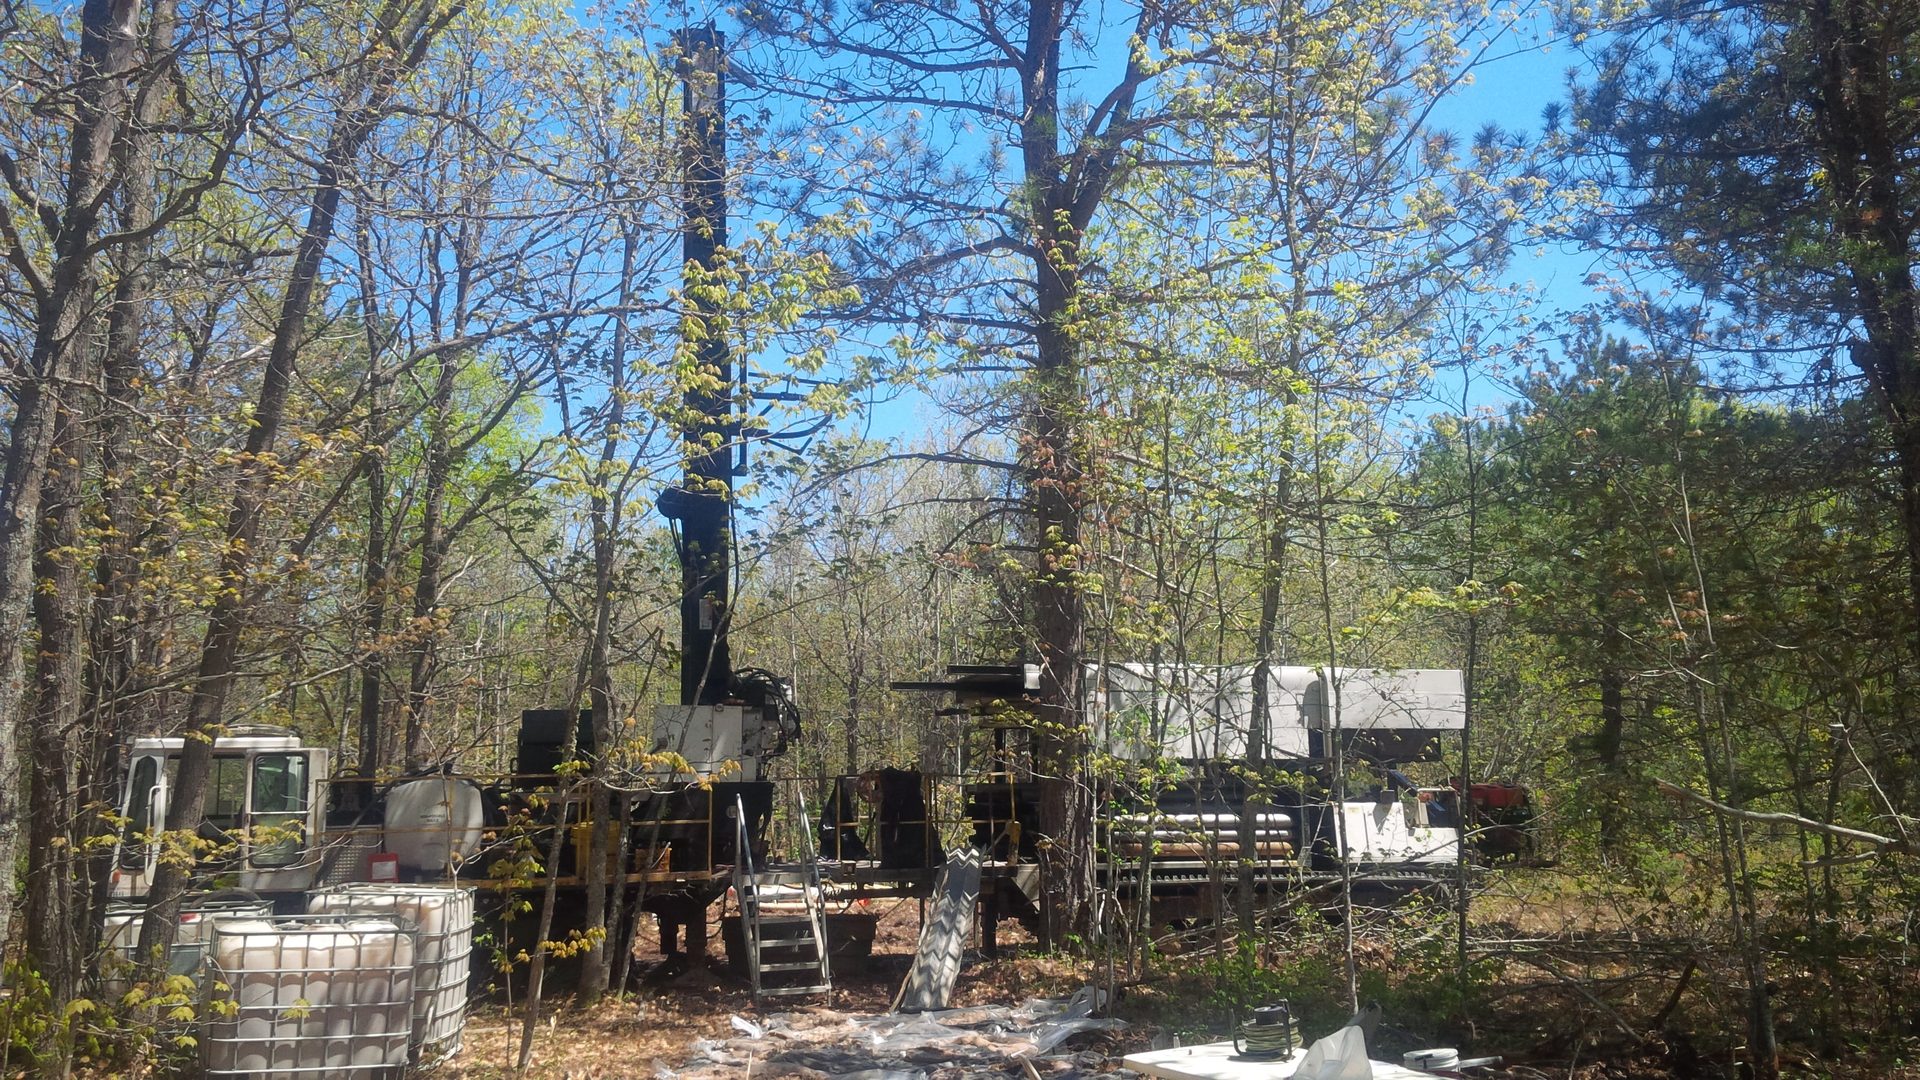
(197, 919)
(443, 920)
(434, 823)
(314, 995)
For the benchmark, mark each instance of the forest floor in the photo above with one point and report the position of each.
(652, 1031)
(1574, 985)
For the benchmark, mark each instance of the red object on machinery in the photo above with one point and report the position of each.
(1502, 816)
(1499, 796)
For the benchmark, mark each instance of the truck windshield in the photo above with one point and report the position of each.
(279, 810)
(227, 793)
(133, 849)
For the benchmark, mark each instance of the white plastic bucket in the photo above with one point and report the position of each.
(1438, 1057)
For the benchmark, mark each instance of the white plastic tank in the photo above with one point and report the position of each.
(325, 995)
(443, 920)
(434, 823)
(197, 918)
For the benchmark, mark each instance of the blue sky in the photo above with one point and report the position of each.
(1520, 76)
(1510, 89)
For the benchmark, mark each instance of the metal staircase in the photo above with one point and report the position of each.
(786, 951)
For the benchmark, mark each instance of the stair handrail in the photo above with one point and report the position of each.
(743, 855)
(813, 889)
(744, 892)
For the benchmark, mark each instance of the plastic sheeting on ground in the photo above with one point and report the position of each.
(947, 1044)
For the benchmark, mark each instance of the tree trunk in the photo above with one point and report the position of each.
(856, 674)
(566, 790)
(604, 510)
(373, 618)
(108, 34)
(415, 30)
(114, 632)
(1607, 744)
(433, 552)
(55, 718)
(27, 456)
(373, 573)
(435, 537)
(1270, 579)
(1054, 486)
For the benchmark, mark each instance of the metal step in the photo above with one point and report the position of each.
(788, 936)
(792, 948)
(786, 944)
(786, 922)
(781, 877)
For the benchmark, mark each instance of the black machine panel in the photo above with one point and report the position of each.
(543, 734)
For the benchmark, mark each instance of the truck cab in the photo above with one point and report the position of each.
(264, 811)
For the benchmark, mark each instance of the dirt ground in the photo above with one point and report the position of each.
(1544, 1024)
(654, 1026)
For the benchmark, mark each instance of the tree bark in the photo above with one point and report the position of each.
(1054, 484)
(425, 627)
(1607, 744)
(373, 572)
(54, 721)
(373, 616)
(604, 511)
(63, 297)
(1270, 579)
(114, 633)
